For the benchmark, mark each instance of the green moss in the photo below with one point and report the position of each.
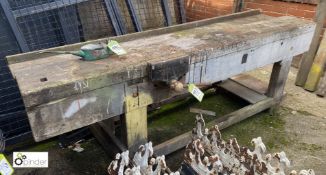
(174, 119)
(269, 127)
(44, 146)
(92, 160)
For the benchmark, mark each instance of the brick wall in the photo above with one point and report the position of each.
(281, 8)
(201, 9)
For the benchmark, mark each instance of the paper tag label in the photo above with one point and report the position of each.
(115, 47)
(196, 92)
(5, 167)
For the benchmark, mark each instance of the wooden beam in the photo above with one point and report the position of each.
(103, 139)
(241, 91)
(202, 111)
(109, 128)
(309, 56)
(181, 141)
(317, 67)
(251, 83)
(237, 6)
(322, 87)
(277, 81)
(136, 126)
(135, 120)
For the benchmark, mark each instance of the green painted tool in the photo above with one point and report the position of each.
(89, 52)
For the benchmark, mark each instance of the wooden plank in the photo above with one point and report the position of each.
(317, 67)
(322, 87)
(181, 141)
(277, 81)
(202, 111)
(241, 91)
(309, 56)
(108, 128)
(68, 114)
(136, 126)
(103, 139)
(251, 83)
(237, 6)
(136, 120)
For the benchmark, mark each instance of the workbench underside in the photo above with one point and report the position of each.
(78, 93)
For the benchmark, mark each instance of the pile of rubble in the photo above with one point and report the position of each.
(207, 154)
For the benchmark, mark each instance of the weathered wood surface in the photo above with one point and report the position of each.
(308, 57)
(322, 86)
(79, 93)
(181, 141)
(251, 83)
(317, 67)
(202, 111)
(242, 91)
(277, 81)
(136, 120)
(215, 44)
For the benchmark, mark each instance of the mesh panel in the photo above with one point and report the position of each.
(51, 23)
(38, 24)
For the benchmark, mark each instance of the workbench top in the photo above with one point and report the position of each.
(62, 93)
(228, 36)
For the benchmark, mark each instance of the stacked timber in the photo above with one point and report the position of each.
(208, 154)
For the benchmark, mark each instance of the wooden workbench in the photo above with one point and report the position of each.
(62, 93)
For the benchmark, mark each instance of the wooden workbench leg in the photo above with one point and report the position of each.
(136, 128)
(277, 82)
(135, 122)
